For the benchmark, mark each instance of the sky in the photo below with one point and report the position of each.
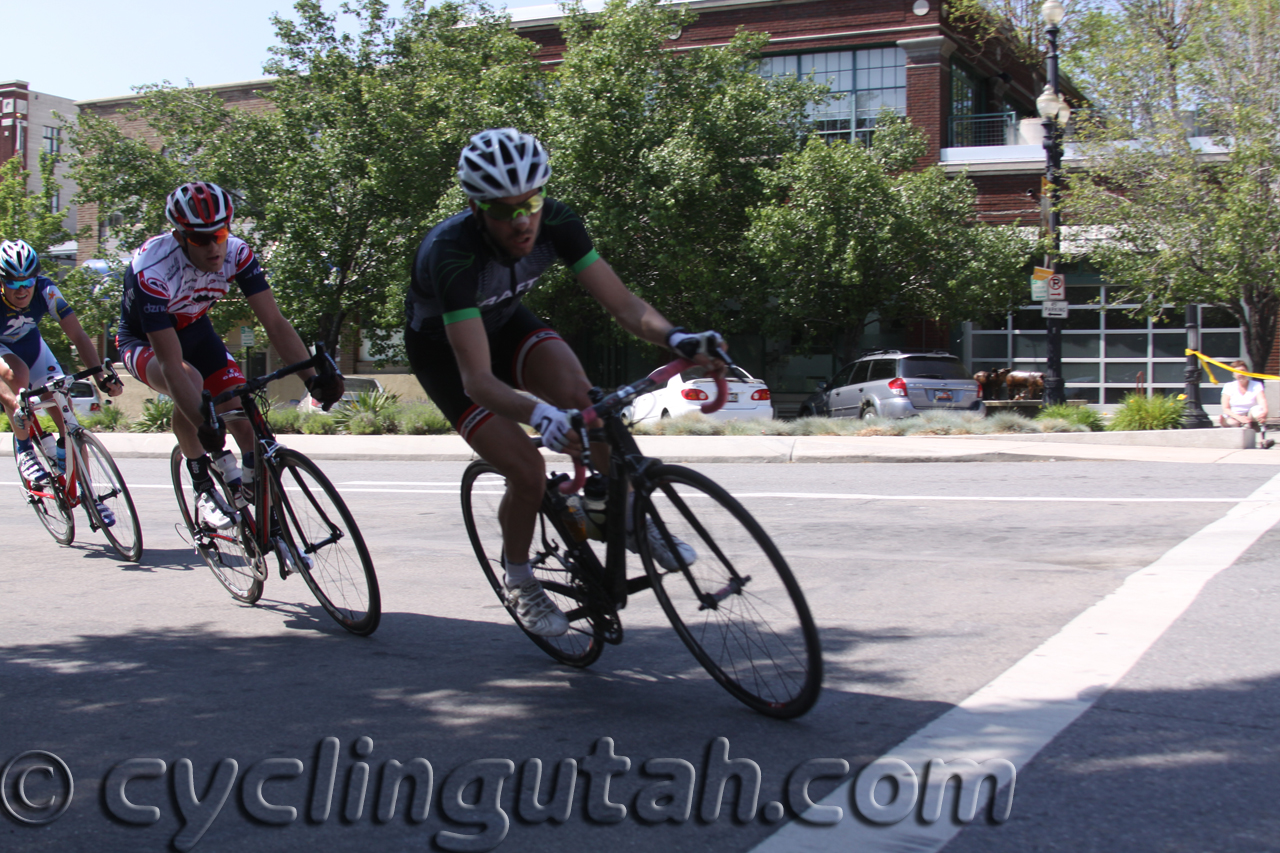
(88, 49)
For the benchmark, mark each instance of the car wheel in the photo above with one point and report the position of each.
(665, 414)
(868, 411)
(805, 412)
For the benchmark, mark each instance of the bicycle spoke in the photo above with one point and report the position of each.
(735, 605)
(553, 566)
(102, 486)
(325, 544)
(236, 567)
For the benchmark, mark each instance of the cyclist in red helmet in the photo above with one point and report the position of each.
(167, 341)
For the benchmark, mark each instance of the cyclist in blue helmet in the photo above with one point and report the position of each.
(25, 359)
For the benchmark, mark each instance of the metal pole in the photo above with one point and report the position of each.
(1195, 417)
(1054, 392)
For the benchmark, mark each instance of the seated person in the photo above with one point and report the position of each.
(1244, 403)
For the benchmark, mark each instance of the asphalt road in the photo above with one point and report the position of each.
(928, 581)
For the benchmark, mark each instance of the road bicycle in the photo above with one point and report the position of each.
(736, 605)
(91, 479)
(295, 512)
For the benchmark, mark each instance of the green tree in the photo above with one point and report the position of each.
(658, 151)
(854, 234)
(1184, 157)
(30, 216)
(337, 181)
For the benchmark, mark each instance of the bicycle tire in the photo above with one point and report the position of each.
(737, 606)
(223, 551)
(554, 565)
(108, 488)
(325, 543)
(50, 503)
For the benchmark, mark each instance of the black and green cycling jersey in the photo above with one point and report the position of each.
(458, 273)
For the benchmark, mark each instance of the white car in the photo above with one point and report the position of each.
(748, 397)
(86, 398)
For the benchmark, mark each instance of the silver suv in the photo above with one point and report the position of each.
(897, 384)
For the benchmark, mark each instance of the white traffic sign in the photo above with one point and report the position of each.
(1053, 308)
(1057, 287)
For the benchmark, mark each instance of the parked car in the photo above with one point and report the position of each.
(896, 384)
(354, 387)
(86, 398)
(748, 397)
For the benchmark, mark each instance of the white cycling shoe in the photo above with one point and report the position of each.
(536, 612)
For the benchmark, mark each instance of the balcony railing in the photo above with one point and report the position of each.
(982, 130)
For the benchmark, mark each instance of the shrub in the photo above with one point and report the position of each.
(106, 419)
(157, 416)
(358, 423)
(286, 421)
(319, 425)
(1142, 412)
(379, 407)
(1082, 416)
(422, 419)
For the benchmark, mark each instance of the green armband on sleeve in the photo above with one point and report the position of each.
(587, 260)
(461, 314)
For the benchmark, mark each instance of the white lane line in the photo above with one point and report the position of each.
(452, 489)
(1023, 709)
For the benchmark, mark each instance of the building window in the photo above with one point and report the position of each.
(20, 143)
(863, 83)
(53, 140)
(55, 202)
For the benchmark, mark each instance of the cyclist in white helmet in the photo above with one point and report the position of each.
(472, 343)
(25, 359)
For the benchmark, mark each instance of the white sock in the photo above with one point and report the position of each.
(517, 573)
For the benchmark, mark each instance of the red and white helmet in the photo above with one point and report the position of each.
(198, 206)
(502, 162)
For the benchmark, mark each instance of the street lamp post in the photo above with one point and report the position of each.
(1195, 417)
(1054, 112)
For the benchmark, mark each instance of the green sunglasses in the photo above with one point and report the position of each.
(499, 212)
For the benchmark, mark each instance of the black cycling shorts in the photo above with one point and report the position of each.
(436, 367)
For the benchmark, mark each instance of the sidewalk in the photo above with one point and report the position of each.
(1198, 446)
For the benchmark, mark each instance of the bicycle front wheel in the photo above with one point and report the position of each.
(49, 501)
(230, 554)
(326, 544)
(102, 485)
(736, 604)
(555, 565)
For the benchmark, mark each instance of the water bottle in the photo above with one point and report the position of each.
(595, 494)
(575, 520)
(62, 456)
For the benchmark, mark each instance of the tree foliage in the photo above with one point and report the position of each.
(1184, 162)
(658, 151)
(338, 179)
(843, 241)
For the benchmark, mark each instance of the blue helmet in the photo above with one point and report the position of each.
(18, 261)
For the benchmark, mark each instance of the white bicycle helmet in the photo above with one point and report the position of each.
(502, 162)
(198, 206)
(18, 261)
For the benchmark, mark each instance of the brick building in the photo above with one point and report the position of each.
(29, 124)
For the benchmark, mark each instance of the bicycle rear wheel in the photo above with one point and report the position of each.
(736, 606)
(326, 544)
(101, 483)
(50, 503)
(554, 565)
(230, 554)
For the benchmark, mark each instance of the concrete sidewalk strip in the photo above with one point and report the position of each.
(1193, 446)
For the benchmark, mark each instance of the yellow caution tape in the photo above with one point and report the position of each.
(1205, 361)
